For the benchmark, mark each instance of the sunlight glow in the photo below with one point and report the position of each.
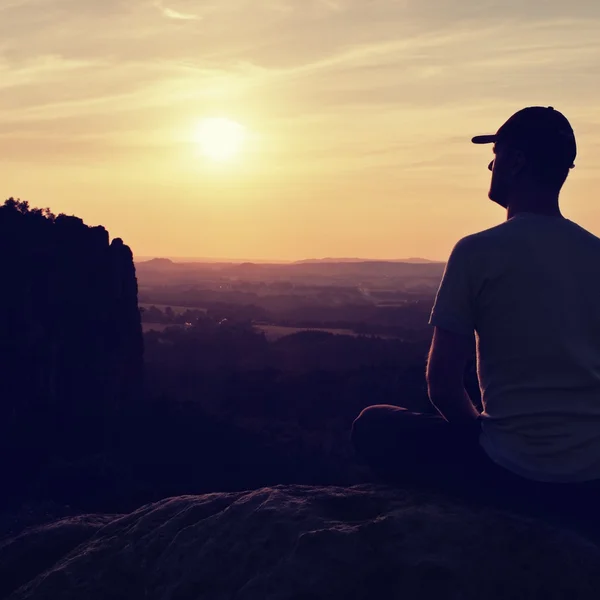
(219, 138)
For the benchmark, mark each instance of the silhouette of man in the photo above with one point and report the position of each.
(528, 293)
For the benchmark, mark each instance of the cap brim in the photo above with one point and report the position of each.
(484, 139)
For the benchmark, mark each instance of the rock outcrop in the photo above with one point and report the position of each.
(71, 346)
(301, 543)
(39, 548)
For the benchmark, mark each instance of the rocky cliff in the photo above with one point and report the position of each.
(71, 347)
(299, 543)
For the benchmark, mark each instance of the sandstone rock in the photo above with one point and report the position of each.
(69, 309)
(71, 344)
(39, 548)
(307, 543)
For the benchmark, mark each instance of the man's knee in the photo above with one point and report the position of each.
(367, 427)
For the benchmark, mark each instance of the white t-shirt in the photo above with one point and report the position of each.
(530, 289)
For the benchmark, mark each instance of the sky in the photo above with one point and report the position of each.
(358, 115)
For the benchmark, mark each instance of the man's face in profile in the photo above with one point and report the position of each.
(501, 176)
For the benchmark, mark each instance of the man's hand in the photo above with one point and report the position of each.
(448, 358)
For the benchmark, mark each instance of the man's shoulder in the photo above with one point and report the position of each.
(583, 232)
(476, 241)
(496, 241)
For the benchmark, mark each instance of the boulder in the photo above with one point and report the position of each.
(31, 552)
(310, 543)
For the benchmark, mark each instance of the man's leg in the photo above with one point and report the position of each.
(426, 451)
(412, 448)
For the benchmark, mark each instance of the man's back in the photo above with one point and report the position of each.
(531, 290)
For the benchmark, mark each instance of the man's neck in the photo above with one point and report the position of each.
(537, 204)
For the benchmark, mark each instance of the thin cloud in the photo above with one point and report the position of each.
(175, 14)
(41, 70)
(281, 72)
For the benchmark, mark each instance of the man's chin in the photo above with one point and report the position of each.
(497, 198)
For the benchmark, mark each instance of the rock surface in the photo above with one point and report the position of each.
(71, 345)
(70, 327)
(304, 543)
(32, 552)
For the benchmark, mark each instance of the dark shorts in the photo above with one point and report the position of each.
(425, 451)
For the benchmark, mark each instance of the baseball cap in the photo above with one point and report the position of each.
(541, 130)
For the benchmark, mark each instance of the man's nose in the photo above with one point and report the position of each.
(491, 166)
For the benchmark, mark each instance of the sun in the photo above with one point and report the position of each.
(220, 139)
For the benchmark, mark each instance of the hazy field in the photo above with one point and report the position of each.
(273, 332)
(178, 310)
(156, 326)
(276, 332)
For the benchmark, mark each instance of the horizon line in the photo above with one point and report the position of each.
(144, 258)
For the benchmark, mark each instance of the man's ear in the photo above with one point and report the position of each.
(518, 162)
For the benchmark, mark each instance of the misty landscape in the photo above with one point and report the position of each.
(252, 373)
(224, 378)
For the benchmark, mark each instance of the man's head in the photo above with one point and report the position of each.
(535, 148)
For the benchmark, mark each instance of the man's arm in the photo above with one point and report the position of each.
(448, 358)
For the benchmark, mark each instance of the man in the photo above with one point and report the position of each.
(528, 293)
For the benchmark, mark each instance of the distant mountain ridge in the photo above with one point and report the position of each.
(307, 261)
(319, 272)
(413, 260)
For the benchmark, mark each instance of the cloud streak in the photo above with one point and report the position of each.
(174, 14)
